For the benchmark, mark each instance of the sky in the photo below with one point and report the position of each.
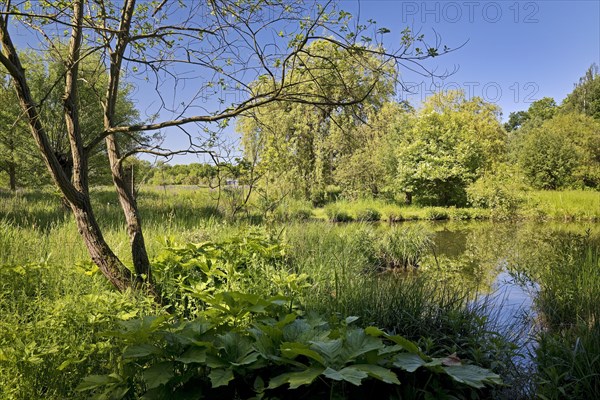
(514, 52)
(510, 53)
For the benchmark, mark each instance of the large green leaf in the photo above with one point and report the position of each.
(220, 377)
(377, 372)
(408, 361)
(358, 343)
(329, 349)
(193, 355)
(158, 374)
(296, 379)
(349, 374)
(141, 350)
(292, 350)
(399, 340)
(473, 375)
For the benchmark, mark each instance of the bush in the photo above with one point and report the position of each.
(368, 215)
(501, 192)
(335, 214)
(436, 214)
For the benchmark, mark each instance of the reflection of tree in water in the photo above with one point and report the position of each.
(471, 255)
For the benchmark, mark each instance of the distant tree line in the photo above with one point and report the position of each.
(450, 151)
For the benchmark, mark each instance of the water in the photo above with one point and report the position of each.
(500, 262)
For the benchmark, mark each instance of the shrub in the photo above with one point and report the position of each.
(335, 214)
(501, 192)
(368, 215)
(403, 247)
(279, 355)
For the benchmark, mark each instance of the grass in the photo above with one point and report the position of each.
(569, 348)
(341, 263)
(568, 205)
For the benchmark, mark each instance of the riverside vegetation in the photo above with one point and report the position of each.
(313, 309)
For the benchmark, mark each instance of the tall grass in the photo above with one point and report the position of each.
(568, 205)
(568, 355)
(51, 328)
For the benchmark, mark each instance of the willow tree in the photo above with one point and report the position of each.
(215, 47)
(299, 146)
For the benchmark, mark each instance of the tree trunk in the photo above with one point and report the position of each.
(101, 254)
(141, 262)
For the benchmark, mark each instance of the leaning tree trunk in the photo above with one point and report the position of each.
(101, 254)
(75, 188)
(139, 255)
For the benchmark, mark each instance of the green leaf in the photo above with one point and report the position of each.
(296, 379)
(292, 350)
(193, 355)
(140, 351)
(473, 375)
(220, 377)
(358, 343)
(408, 361)
(330, 349)
(375, 371)
(349, 374)
(158, 374)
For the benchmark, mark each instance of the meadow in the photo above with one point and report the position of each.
(421, 287)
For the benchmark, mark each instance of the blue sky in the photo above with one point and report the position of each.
(514, 52)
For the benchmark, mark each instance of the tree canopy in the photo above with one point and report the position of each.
(217, 47)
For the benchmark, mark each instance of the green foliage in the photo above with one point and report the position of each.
(368, 215)
(46, 78)
(502, 191)
(436, 214)
(187, 273)
(403, 247)
(279, 354)
(293, 210)
(452, 139)
(560, 152)
(298, 146)
(50, 332)
(337, 214)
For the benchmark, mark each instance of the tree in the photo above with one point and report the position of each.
(585, 98)
(21, 157)
(562, 152)
(224, 45)
(516, 120)
(450, 144)
(301, 146)
(370, 169)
